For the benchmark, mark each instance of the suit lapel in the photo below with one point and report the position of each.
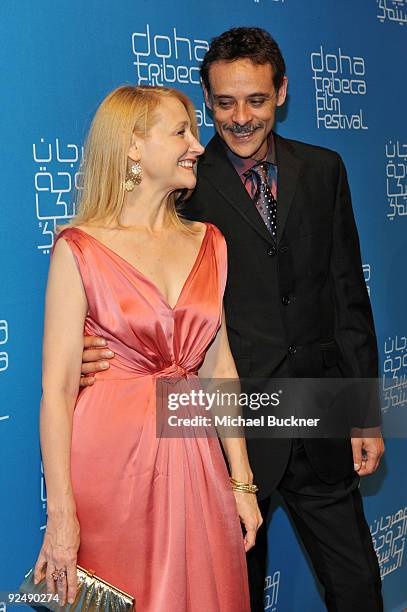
(217, 169)
(288, 171)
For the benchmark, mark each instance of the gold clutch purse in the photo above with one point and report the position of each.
(93, 594)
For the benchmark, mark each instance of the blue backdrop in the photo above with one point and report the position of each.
(347, 91)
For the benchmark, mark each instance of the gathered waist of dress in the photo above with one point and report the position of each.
(171, 370)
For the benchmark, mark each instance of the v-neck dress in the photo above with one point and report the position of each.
(157, 515)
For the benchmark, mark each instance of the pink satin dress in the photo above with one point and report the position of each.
(157, 515)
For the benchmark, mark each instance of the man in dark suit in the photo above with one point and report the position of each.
(296, 305)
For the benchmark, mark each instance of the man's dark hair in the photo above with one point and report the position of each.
(254, 44)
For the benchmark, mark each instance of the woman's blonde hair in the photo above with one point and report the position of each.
(127, 110)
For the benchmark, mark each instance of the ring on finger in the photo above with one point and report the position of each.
(58, 574)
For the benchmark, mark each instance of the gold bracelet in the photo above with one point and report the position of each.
(244, 487)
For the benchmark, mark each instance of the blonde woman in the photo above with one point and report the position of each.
(154, 516)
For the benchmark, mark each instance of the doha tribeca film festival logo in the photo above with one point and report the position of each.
(392, 10)
(340, 84)
(396, 179)
(271, 588)
(165, 60)
(170, 59)
(57, 178)
(4, 361)
(3, 345)
(389, 539)
(394, 378)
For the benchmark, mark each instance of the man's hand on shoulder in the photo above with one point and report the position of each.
(96, 355)
(367, 448)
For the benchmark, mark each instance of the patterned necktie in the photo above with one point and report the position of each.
(264, 200)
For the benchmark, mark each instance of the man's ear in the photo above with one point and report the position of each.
(282, 92)
(207, 96)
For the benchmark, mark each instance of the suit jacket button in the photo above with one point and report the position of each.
(272, 251)
(292, 349)
(286, 300)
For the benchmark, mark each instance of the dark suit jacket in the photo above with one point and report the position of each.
(301, 302)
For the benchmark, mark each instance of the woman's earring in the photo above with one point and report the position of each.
(134, 176)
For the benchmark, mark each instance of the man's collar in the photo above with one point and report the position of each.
(243, 164)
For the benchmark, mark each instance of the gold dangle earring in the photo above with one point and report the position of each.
(134, 176)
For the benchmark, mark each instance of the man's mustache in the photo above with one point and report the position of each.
(242, 129)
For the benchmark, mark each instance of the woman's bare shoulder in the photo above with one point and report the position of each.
(197, 227)
(89, 229)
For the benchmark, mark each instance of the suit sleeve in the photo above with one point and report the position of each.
(222, 258)
(354, 326)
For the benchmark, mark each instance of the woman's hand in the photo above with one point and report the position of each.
(250, 516)
(59, 552)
